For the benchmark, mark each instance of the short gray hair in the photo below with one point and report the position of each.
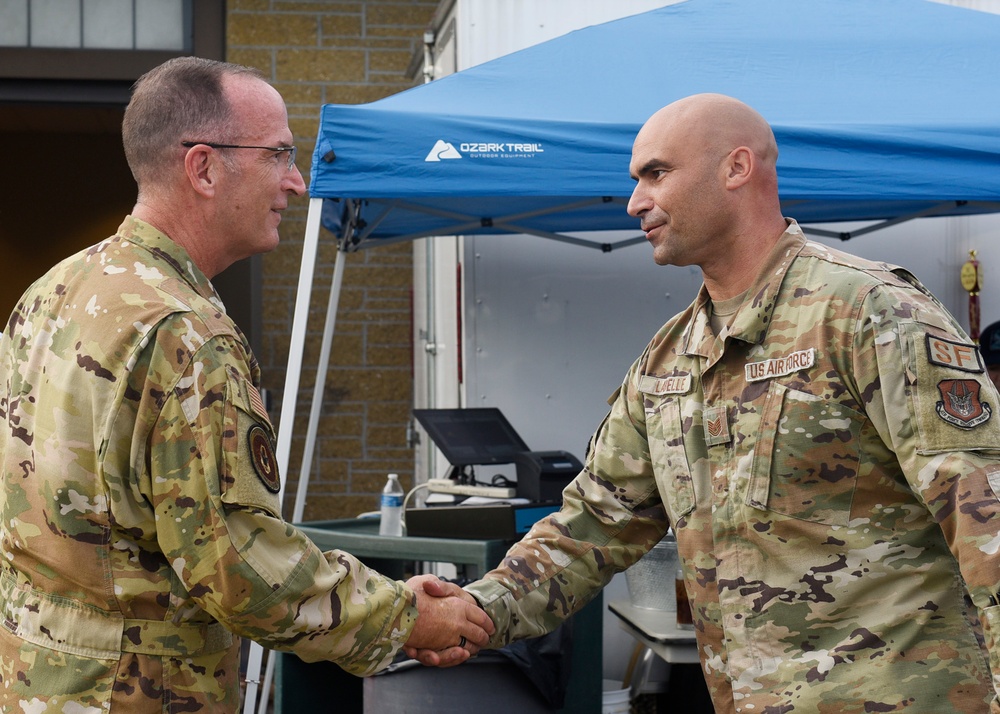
(181, 99)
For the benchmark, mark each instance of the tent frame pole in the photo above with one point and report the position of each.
(871, 228)
(296, 348)
(322, 368)
(466, 224)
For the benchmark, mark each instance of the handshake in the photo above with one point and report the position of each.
(450, 628)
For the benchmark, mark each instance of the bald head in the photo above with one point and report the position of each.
(714, 125)
(707, 187)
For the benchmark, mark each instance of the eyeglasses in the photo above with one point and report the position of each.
(291, 150)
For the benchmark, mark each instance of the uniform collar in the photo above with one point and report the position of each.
(751, 320)
(172, 254)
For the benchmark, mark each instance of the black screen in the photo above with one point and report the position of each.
(468, 437)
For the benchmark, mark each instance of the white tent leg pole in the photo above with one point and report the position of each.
(317, 401)
(253, 676)
(300, 320)
(296, 348)
(272, 657)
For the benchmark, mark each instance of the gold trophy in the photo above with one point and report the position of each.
(972, 281)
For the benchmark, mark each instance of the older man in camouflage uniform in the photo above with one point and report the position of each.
(818, 431)
(140, 520)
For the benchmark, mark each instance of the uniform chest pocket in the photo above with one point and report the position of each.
(805, 462)
(670, 462)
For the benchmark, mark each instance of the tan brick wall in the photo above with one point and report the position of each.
(337, 52)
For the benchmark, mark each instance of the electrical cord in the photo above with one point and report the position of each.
(406, 500)
(501, 480)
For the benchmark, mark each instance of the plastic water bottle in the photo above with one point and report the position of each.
(391, 520)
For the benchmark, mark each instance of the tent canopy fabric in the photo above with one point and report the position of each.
(879, 108)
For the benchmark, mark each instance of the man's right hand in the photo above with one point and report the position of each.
(450, 628)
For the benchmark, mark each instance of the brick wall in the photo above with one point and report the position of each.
(339, 53)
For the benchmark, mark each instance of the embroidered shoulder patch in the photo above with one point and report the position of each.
(960, 404)
(954, 355)
(262, 456)
(780, 366)
(256, 401)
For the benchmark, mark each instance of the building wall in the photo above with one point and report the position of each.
(49, 210)
(342, 53)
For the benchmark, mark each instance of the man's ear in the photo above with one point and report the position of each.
(739, 166)
(202, 166)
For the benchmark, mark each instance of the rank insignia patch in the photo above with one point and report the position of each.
(716, 426)
(262, 456)
(960, 404)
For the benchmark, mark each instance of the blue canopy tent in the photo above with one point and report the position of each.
(880, 110)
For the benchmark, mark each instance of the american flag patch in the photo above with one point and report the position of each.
(256, 402)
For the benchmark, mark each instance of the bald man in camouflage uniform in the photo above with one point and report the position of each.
(141, 527)
(819, 432)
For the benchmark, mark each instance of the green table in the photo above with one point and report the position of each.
(359, 537)
(324, 687)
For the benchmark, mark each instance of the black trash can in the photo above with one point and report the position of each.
(488, 684)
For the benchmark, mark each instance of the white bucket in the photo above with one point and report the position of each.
(614, 699)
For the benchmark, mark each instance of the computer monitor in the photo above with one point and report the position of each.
(469, 437)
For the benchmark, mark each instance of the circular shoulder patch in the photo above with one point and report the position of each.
(263, 459)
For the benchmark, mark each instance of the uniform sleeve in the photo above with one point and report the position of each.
(930, 398)
(611, 515)
(214, 485)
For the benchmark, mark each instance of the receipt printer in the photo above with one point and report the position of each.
(542, 475)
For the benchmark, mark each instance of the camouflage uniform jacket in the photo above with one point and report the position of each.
(140, 517)
(831, 466)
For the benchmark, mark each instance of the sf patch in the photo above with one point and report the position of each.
(954, 355)
(262, 456)
(960, 404)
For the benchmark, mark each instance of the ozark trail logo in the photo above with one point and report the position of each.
(443, 150)
(960, 404)
(484, 150)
